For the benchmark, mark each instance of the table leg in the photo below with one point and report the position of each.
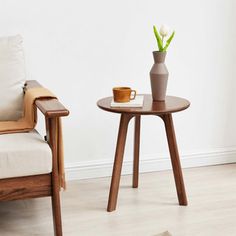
(179, 182)
(136, 151)
(120, 147)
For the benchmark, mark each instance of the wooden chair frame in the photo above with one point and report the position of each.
(46, 184)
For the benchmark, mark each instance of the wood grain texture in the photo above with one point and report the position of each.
(50, 107)
(56, 209)
(146, 211)
(163, 109)
(175, 161)
(25, 187)
(170, 105)
(120, 147)
(136, 151)
(40, 185)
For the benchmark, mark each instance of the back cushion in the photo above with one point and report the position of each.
(12, 77)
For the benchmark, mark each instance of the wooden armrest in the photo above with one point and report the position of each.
(50, 107)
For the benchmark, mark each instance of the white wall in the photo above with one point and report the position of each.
(81, 49)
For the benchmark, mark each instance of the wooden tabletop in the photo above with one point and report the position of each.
(170, 105)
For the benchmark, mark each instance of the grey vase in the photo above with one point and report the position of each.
(159, 76)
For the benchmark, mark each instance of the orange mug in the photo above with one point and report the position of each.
(123, 94)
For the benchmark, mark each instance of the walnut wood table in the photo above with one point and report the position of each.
(162, 109)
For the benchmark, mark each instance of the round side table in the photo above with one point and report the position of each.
(162, 109)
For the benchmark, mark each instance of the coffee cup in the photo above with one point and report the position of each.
(123, 94)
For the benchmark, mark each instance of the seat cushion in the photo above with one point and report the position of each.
(24, 154)
(12, 77)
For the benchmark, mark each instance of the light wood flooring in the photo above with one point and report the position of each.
(146, 211)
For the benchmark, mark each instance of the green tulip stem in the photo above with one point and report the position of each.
(160, 40)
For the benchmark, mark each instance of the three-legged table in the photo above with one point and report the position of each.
(162, 109)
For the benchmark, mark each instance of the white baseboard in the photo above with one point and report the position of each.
(103, 168)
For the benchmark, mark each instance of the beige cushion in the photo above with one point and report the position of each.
(24, 154)
(12, 77)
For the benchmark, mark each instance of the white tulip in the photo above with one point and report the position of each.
(164, 30)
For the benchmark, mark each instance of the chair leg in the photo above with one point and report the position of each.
(136, 151)
(120, 147)
(56, 207)
(56, 210)
(174, 155)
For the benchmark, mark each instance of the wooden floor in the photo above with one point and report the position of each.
(146, 211)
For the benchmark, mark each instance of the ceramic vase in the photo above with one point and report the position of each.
(159, 76)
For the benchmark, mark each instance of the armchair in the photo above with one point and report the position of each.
(37, 180)
(29, 165)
